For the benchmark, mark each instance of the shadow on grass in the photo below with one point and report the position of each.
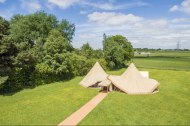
(11, 93)
(6, 93)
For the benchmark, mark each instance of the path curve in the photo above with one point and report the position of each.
(77, 116)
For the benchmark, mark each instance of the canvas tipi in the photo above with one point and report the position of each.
(132, 82)
(94, 76)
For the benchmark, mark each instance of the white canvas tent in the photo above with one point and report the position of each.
(94, 76)
(132, 82)
(105, 83)
(144, 74)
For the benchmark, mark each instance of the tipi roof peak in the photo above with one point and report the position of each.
(95, 75)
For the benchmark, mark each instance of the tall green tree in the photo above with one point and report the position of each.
(56, 43)
(7, 48)
(29, 32)
(104, 40)
(98, 54)
(126, 46)
(4, 28)
(55, 62)
(29, 39)
(87, 51)
(30, 27)
(67, 29)
(7, 52)
(117, 50)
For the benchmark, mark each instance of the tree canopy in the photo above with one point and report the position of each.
(37, 48)
(117, 50)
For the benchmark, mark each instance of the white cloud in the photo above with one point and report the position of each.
(113, 18)
(63, 4)
(83, 12)
(8, 13)
(87, 36)
(183, 7)
(2, 1)
(171, 36)
(103, 6)
(174, 8)
(30, 5)
(144, 33)
(112, 6)
(180, 20)
(158, 23)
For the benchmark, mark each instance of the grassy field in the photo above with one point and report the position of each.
(163, 63)
(44, 105)
(168, 107)
(50, 104)
(164, 60)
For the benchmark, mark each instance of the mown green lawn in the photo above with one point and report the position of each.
(44, 105)
(170, 106)
(52, 103)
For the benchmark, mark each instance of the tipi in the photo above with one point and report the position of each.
(94, 76)
(132, 82)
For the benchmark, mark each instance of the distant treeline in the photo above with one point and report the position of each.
(159, 49)
(36, 49)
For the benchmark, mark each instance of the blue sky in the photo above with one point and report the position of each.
(146, 23)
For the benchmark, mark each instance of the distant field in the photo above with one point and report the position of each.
(164, 60)
(170, 106)
(163, 63)
(166, 54)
